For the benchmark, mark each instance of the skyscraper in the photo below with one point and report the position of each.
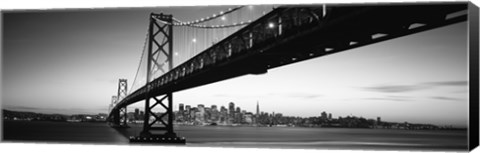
(215, 114)
(136, 116)
(231, 112)
(258, 110)
(223, 109)
(180, 107)
(141, 115)
(238, 115)
(187, 108)
(223, 114)
(187, 113)
(201, 110)
(324, 115)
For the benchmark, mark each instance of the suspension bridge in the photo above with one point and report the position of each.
(248, 42)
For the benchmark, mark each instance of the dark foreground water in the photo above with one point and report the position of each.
(258, 137)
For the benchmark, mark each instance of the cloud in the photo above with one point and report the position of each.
(391, 98)
(276, 94)
(303, 95)
(395, 88)
(446, 98)
(447, 83)
(414, 87)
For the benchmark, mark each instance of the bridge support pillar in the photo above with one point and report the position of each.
(116, 117)
(158, 127)
(123, 117)
(120, 118)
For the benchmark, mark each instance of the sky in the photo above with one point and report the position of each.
(69, 61)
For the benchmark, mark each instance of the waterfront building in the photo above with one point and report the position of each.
(187, 113)
(324, 115)
(207, 115)
(201, 110)
(180, 108)
(136, 116)
(223, 117)
(231, 112)
(238, 115)
(141, 115)
(192, 114)
(214, 114)
(248, 118)
(198, 117)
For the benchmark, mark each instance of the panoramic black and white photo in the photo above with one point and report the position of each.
(386, 76)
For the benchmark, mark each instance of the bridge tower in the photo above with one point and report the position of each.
(120, 115)
(116, 117)
(160, 57)
(122, 93)
(114, 101)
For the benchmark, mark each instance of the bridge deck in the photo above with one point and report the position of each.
(299, 33)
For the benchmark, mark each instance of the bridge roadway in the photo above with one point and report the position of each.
(295, 33)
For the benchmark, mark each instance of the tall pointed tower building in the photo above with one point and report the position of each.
(258, 110)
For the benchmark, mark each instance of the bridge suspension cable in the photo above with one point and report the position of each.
(198, 37)
(205, 19)
(193, 36)
(139, 79)
(221, 14)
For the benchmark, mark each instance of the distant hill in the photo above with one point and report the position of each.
(31, 116)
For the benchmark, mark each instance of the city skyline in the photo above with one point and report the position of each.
(412, 78)
(201, 115)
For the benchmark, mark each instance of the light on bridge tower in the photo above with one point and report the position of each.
(114, 100)
(271, 25)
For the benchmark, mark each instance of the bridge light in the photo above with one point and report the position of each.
(223, 18)
(271, 25)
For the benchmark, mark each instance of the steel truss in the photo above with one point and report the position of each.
(120, 116)
(160, 44)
